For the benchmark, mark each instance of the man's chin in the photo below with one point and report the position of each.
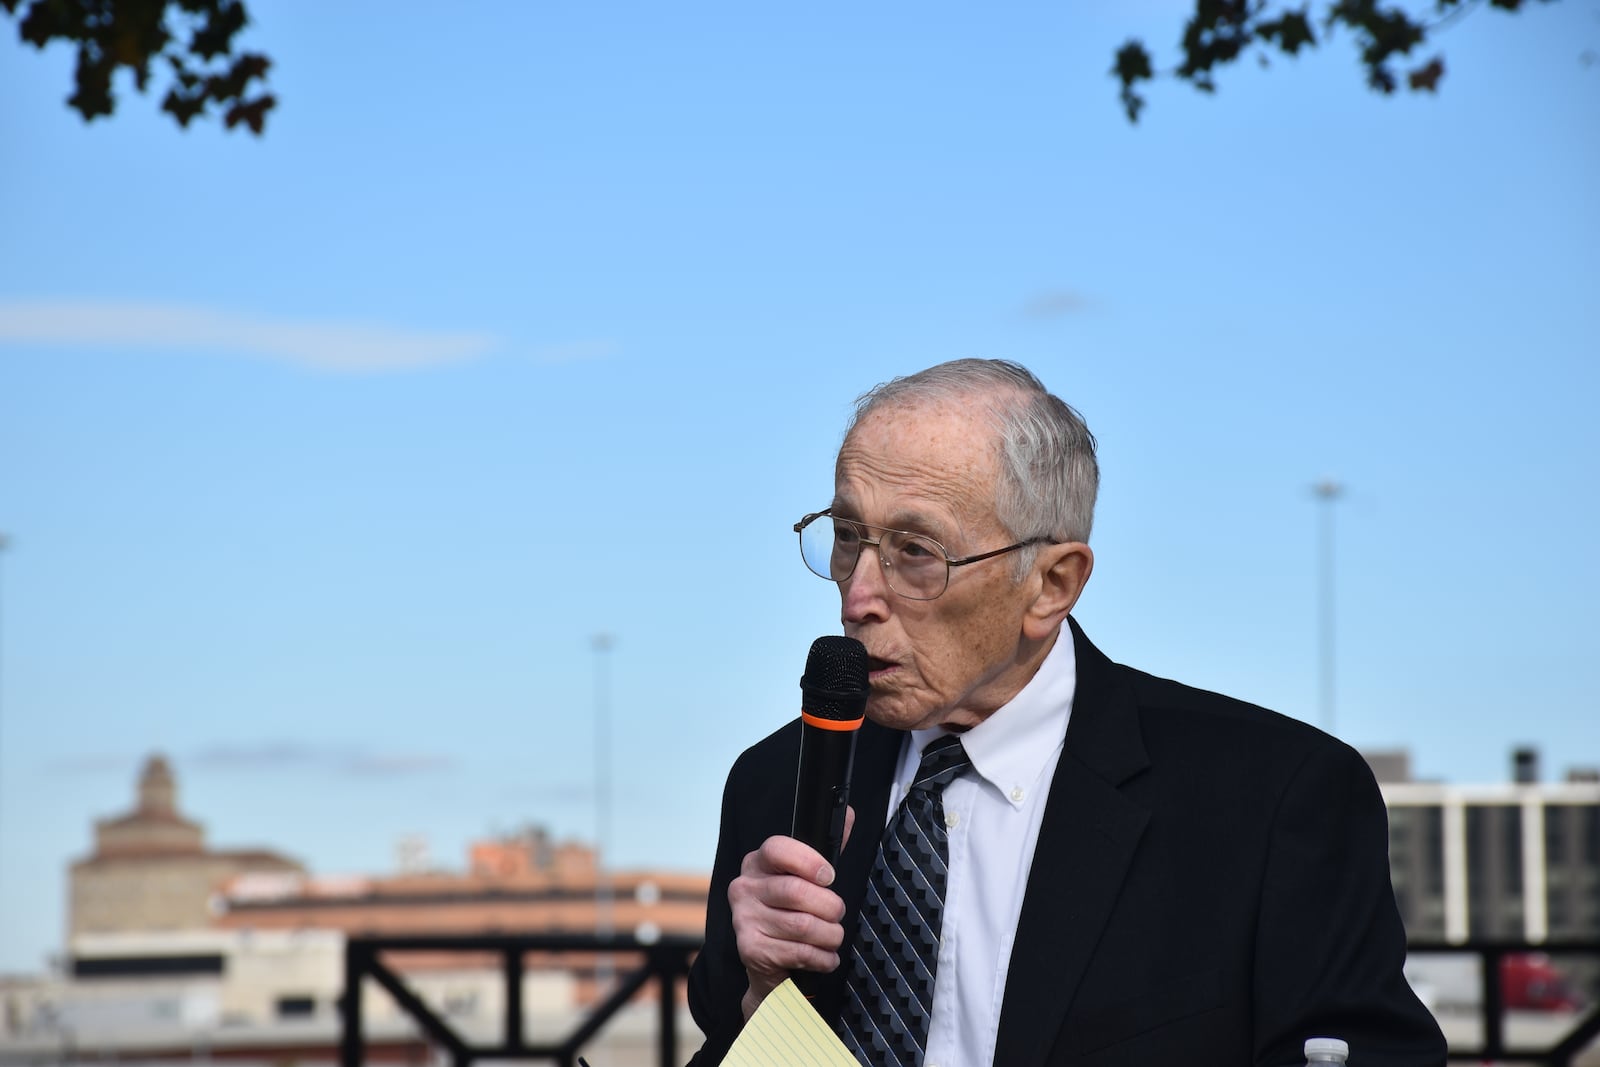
(894, 713)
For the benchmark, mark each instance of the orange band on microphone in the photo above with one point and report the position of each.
(830, 724)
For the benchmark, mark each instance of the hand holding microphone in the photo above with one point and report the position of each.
(785, 919)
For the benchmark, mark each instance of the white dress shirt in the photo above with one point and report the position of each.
(993, 814)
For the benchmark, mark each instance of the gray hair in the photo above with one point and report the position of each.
(1048, 474)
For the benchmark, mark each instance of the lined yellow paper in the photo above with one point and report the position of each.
(786, 1031)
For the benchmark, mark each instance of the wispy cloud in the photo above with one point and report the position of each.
(577, 793)
(393, 764)
(350, 760)
(1054, 303)
(92, 763)
(270, 757)
(321, 345)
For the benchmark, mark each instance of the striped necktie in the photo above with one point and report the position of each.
(889, 991)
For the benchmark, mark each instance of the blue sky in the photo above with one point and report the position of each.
(324, 456)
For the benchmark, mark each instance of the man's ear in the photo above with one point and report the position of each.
(1062, 572)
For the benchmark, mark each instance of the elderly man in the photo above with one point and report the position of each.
(1054, 859)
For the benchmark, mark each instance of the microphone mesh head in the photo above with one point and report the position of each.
(835, 683)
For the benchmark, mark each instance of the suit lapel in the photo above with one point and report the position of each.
(1086, 841)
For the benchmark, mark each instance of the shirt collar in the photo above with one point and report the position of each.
(1011, 748)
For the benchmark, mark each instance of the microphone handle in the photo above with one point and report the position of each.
(822, 786)
(822, 792)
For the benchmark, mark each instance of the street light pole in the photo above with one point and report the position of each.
(5, 543)
(1327, 492)
(605, 925)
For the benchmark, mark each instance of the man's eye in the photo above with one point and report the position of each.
(845, 534)
(917, 550)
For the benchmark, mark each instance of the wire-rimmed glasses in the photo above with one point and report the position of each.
(915, 565)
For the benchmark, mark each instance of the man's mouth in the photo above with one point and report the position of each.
(876, 666)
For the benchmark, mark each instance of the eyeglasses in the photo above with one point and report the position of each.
(916, 567)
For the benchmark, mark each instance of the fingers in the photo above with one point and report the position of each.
(785, 918)
(786, 856)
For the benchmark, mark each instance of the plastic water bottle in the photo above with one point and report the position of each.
(1325, 1050)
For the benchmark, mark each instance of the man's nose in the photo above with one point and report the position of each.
(865, 594)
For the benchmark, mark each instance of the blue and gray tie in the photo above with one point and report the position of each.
(889, 991)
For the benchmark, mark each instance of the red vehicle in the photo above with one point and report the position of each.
(1530, 982)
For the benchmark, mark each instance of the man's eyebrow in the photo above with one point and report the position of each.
(916, 522)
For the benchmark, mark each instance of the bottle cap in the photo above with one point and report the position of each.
(1327, 1048)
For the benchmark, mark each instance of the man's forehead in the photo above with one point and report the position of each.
(937, 499)
(931, 432)
(940, 437)
(971, 413)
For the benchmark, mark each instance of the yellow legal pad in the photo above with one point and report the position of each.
(786, 1031)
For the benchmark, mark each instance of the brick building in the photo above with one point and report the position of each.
(263, 937)
(151, 871)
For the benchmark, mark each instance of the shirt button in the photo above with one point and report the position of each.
(1016, 794)
(950, 820)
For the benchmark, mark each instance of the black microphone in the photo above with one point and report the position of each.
(833, 701)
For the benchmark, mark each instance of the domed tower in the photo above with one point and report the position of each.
(158, 793)
(151, 870)
(154, 826)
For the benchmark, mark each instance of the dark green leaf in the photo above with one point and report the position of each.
(183, 107)
(1427, 77)
(110, 35)
(1132, 66)
(252, 113)
(1133, 63)
(44, 22)
(93, 77)
(215, 37)
(1290, 32)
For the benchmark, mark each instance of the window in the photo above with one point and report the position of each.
(1433, 849)
(1511, 848)
(1557, 914)
(1555, 834)
(296, 1007)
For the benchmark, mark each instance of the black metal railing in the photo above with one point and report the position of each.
(1492, 1000)
(665, 959)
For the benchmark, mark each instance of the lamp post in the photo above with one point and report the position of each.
(1327, 492)
(605, 925)
(5, 543)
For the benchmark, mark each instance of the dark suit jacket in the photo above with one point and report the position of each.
(1210, 886)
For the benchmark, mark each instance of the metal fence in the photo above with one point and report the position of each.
(666, 961)
(1569, 1034)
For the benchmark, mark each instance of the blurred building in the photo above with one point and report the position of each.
(178, 951)
(523, 883)
(151, 870)
(1518, 860)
